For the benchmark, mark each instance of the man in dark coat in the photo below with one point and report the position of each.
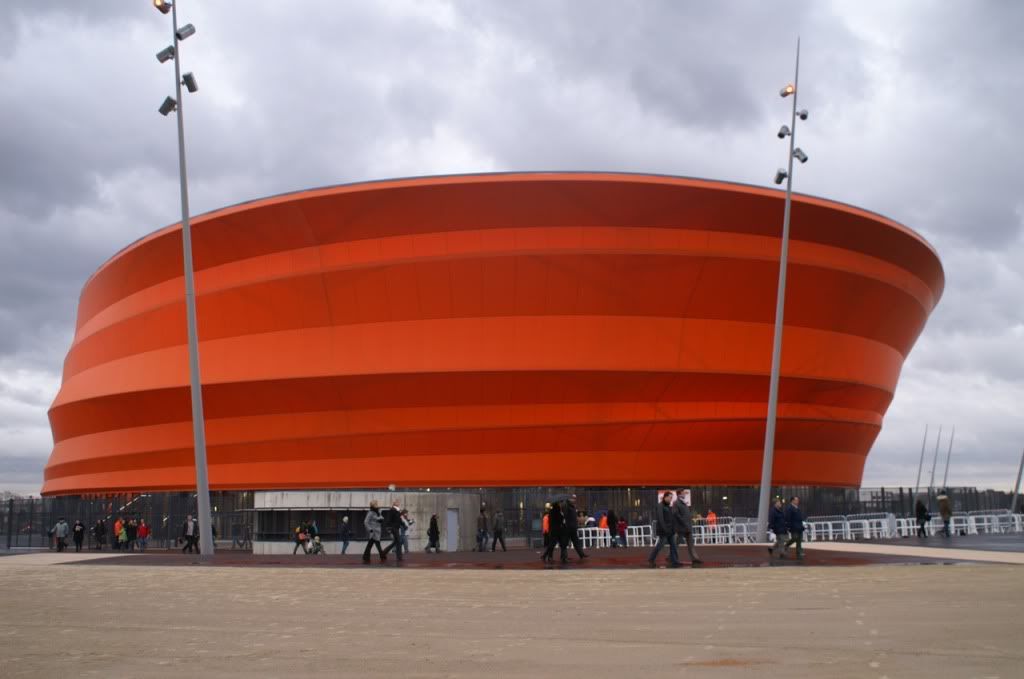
(498, 530)
(613, 528)
(572, 524)
(345, 534)
(434, 535)
(795, 526)
(393, 522)
(777, 523)
(684, 527)
(556, 532)
(665, 525)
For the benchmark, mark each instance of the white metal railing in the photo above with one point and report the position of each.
(595, 537)
(639, 536)
(741, 530)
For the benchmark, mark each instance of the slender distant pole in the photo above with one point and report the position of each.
(1016, 486)
(935, 463)
(945, 475)
(920, 466)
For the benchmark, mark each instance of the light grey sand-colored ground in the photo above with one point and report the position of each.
(87, 620)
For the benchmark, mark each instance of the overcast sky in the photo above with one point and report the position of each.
(917, 111)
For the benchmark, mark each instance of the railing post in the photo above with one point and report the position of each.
(10, 521)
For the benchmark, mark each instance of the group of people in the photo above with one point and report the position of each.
(673, 521)
(788, 525)
(560, 527)
(398, 522)
(924, 517)
(497, 530)
(125, 534)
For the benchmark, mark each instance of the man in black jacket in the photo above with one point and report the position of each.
(777, 522)
(665, 524)
(795, 525)
(684, 526)
(393, 522)
(613, 528)
(572, 524)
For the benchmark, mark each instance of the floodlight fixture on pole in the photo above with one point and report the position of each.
(195, 384)
(165, 54)
(168, 106)
(780, 305)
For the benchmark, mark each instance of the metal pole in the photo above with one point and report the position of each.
(1016, 486)
(935, 463)
(198, 421)
(780, 303)
(920, 466)
(949, 453)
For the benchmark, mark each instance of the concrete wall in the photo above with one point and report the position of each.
(420, 505)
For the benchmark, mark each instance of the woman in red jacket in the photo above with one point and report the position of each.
(142, 536)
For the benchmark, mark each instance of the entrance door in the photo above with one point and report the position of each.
(452, 531)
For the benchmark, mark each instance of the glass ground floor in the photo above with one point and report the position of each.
(239, 519)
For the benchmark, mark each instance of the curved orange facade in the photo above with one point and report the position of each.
(494, 330)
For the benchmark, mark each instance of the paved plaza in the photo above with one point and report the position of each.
(71, 615)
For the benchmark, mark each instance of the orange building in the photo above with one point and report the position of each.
(494, 330)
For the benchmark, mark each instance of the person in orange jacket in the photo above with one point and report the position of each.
(117, 533)
(546, 524)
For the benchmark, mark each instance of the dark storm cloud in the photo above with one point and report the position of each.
(915, 113)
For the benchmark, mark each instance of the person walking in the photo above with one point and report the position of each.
(60, 534)
(190, 534)
(612, 522)
(393, 522)
(132, 531)
(122, 537)
(923, 517)
(481, 530)
(945, 511)
(99, 533)
(777, 522)
(684, 527)
(795, 526)
(498, 530)
(373, 524)
(545, 525)
(621, 532)
(407, 523)
(556, 527)
(572, 524)
(345, 533)
(665, 525)
(143, 535)
(301, 535)
(433, 535)
(78, 535)
(115, 537)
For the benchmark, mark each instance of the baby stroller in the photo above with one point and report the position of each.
(316, 547)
